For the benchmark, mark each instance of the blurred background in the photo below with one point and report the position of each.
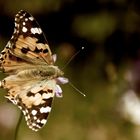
(107, 70)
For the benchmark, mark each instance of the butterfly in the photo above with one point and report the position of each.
(32, 78)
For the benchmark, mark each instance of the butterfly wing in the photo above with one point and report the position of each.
(28, 41)
(36, 103)
(34, 98)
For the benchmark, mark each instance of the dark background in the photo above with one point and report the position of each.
(106, 70)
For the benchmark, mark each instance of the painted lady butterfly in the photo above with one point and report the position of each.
(32, 77)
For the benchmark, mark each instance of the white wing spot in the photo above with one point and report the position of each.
(38, 121)
(16, 19)
(30, 126)
(14, 32)
(24, 112)
(38, 126)
(36, 31)
(23, 23)
(47, 95)
(35, 118)
(16, 25)
(24, 29)
(45, 109)
(34, 112)
(43, 121)
(33, 124)
(20, 107)
(31, 18)
(27, 122)
(26, 118)
(12, 37)
(26, 19)
(21, 17)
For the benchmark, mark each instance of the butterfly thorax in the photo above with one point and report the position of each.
(41, 72)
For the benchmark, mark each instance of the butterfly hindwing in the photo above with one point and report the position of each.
(39, 100)
(34, 98)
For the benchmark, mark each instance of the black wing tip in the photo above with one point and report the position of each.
(23, 12)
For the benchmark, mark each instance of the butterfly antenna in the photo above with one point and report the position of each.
(77, 89)
(72, 57)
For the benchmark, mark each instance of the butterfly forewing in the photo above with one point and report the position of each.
(28, 40)
(32, 78)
